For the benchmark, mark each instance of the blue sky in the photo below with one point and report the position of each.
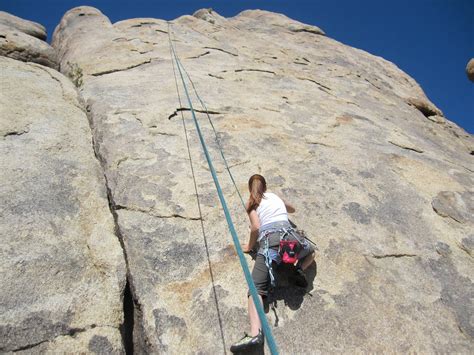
(431, 40)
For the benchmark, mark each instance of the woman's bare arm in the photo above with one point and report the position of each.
(254, 226)
(289, 207)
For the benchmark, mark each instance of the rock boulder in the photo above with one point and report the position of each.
(470, 69)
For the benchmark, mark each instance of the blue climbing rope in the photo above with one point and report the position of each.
(253, 291)
(216, 137)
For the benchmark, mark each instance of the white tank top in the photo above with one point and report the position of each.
(271, 209)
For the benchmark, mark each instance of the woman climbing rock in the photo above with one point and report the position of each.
(277, 241)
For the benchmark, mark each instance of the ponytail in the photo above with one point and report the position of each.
(257, 186)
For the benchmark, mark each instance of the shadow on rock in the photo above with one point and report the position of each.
(291, 295)
(258, 350)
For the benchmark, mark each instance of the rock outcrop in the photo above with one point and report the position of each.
(29, 27)
(381, 180)
(470, 69)
(25, 40)
(62, 267)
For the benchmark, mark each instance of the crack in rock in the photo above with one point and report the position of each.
(199, 55)
(321, 87)
(16, 133)
(157, 133)
(222, 50)
(445, 215)
(175, 113)
(215, 76)
(63, 92)
(320, 143)
(426, 108)
(149, 212)
(144, 23)
(255, 70)
(371, 83)
(396, 255)
(72, 332)
(418, 150)
(122, 69)
(121, 160)
(315, 82)
(125, 330)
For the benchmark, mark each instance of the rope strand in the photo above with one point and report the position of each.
(221, 328)
(204, 107)
(253, 291)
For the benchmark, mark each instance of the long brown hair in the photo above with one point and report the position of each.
(257, 186)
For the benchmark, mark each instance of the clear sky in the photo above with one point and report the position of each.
(431, 40)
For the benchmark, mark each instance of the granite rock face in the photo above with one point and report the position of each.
(381, 180)
(61, 265)
(29, 27)
(25, 40)
(346, 136)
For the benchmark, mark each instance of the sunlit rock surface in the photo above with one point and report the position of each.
(381, 181)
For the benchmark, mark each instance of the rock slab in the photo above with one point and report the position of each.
(25, 40)
(371, 164)
(61, 264)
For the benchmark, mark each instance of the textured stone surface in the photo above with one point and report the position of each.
(29, 27)
(23, 40)
(346, 136)
(458, 206)
(61, 265)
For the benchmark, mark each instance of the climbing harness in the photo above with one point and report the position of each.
(289, 250)
(290, 244)
(253, 291)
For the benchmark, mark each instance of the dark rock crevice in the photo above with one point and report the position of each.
(144, 24)
(16, 133)
(126, 328)
(29, 346)
(150, 212)
(425, 107)
(175, 113)
(71, 332)
(417, 150)
(395, 255)
(255, 70)
(199, 55)
(110, 71)
(222, 50)
(215, 76)
(321, 87)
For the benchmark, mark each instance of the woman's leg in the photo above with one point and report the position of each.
(261, 279)
(255, 324)
(307, 261)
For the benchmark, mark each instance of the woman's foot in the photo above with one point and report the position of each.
(247, 342)
(299, 278)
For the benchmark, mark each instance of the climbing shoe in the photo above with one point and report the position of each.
(299, 278)
(247, 343)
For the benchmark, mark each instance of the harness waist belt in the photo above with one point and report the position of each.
(272, 227)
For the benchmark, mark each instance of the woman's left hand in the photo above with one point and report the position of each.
(245, 248)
